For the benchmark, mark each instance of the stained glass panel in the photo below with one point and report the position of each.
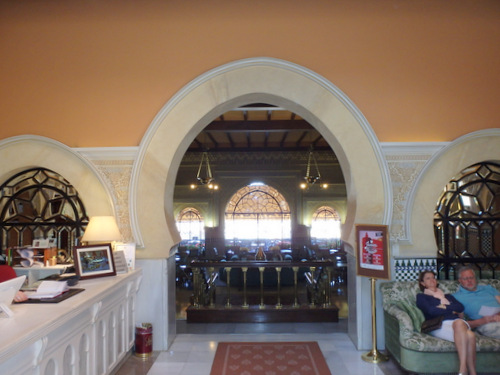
(257, 212)
(466, 221)
(34, 204)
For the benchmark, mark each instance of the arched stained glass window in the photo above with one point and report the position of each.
(190, 225)
(325, 226)
(258, 212)
(39, 203)
(467, 221)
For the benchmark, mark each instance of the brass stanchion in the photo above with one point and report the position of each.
(245, 303)
(261, 270)
(196, 287)
(228, 286)
(295, 288)
(312, 304)
(278, 272)
(374, 356)
(211, 283)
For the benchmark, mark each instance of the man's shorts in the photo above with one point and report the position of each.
(490, 330)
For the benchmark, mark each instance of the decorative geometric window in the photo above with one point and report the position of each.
(190, 224)
(325, 224)
(39, 203)
(257, 212)
(467, 221)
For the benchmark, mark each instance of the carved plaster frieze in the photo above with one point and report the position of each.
(289, 157)
(405, 162)
(403, 176)
(117, 174)
(404, 171)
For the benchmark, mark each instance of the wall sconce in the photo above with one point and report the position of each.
(101, 229)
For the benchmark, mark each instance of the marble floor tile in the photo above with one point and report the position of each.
(194, 347)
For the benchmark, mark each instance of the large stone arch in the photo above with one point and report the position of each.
(419, 222)
(28, 151)
(254, 80)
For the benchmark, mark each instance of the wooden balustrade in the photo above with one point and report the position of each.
(234, 305)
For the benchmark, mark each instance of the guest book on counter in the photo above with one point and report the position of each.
(51, 291)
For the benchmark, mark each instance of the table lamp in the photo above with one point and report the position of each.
(101, 229)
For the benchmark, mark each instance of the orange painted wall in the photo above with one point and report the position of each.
(93, 73)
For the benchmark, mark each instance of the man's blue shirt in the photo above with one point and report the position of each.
(484, 295)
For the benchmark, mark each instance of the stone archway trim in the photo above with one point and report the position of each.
(444, 165)
(264, 80)
(30, 151)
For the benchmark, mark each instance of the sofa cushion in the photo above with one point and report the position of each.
(416, 315)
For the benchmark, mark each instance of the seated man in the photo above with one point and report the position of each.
(476, 298)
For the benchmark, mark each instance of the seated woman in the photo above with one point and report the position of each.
(7, 273)
(433, 302)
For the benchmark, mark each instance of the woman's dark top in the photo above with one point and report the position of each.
(429, 306)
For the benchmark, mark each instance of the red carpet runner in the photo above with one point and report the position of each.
(269, 358)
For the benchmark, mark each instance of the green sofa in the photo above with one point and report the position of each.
(422, 353)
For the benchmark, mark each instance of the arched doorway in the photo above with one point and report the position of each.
(282, 84)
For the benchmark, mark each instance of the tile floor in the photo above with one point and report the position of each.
(193, 349)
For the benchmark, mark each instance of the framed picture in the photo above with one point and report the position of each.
(372, 251)
(94, 261)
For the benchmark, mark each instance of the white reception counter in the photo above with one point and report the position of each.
(89, 333)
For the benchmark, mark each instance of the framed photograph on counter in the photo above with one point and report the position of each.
(94, 261)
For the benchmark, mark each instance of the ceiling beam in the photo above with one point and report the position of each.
(230, 139)
(262, 126)
(212, 139)
(300, 139)
(283, 139)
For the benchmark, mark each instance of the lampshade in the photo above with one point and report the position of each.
(101, 229)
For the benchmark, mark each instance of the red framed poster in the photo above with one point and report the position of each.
(372, 253)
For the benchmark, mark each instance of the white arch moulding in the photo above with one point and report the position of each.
(440, 169)
(30, 151)
(267, 80)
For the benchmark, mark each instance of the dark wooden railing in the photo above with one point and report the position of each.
(320, 277)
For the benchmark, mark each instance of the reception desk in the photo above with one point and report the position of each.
(89, 333)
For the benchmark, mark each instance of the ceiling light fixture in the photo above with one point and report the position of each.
(311, 179)
(204, 175)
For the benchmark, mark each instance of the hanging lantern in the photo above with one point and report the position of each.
(204, 175)
(311, 179)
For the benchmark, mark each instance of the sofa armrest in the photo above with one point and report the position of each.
(406, 328)
(399, 321)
